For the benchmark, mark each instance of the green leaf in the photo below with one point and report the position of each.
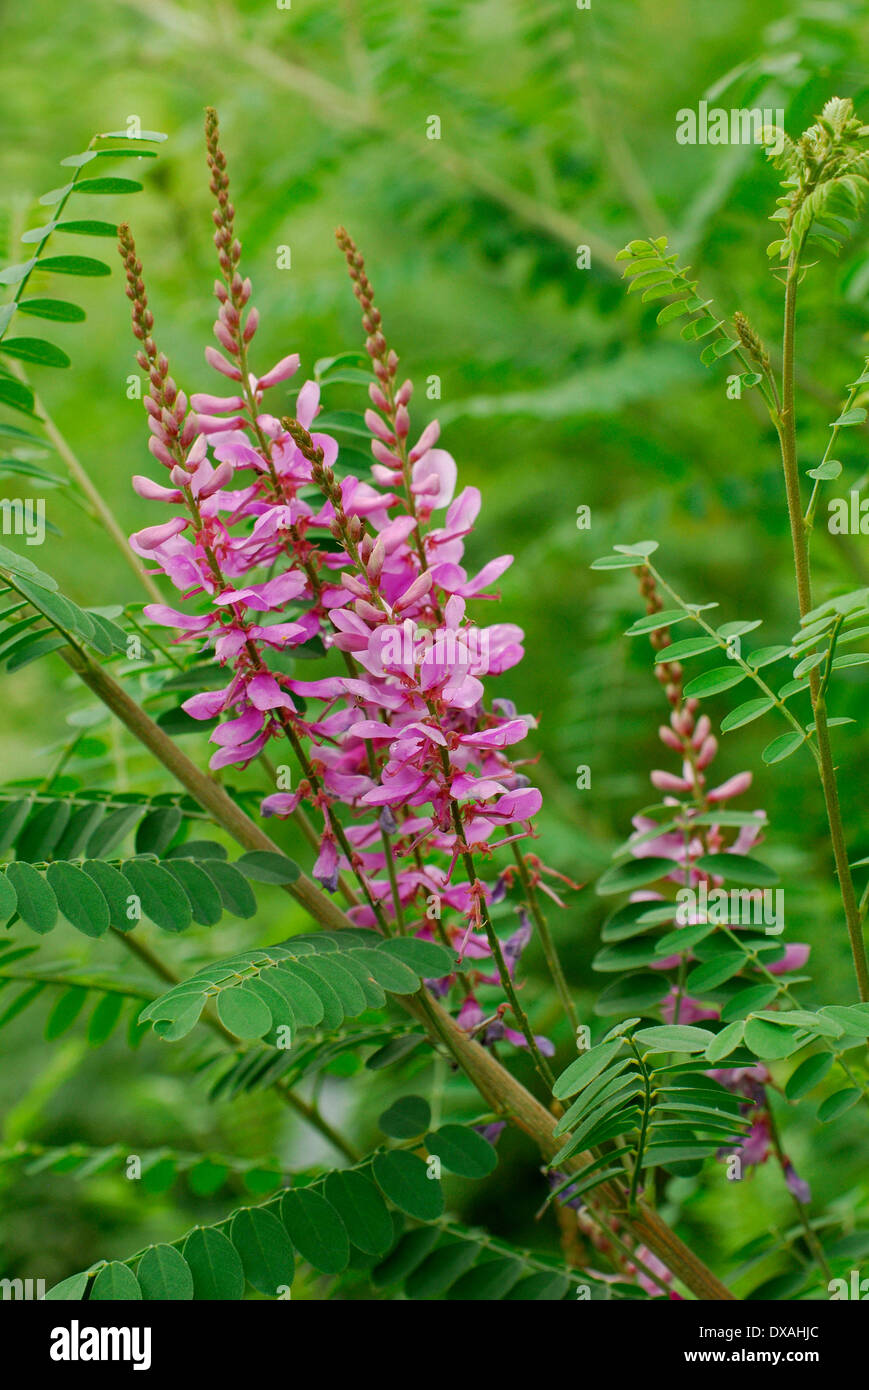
(836, 1104)
(714, 681)
(441, 1269)
(853, 1018)
(425, 958)
(462, 1151)
(306, 1004)
(714, 972)
(243, 1013)
(108, 185)
(12, 817)
(37, 905)
(18, 396)
(738, 868)
(585, 1068)
(115, 1282)
(635, 994)
(683, 938)
(782, 747)
(403, 1178)
(390, 974)
(42, 832)
(745, 713)
(235, 892)
(725, 1042)
(31, 648)
(653, 621)
(79, 829)
(825, 471)
(8, 899)
(164, 1274)
(35, 350)
(841, 663)
(265, 1248)
(808, 1075)
(89, 227)
(849, 417)
(69, 1289)
(74, 265)
(691, 646)
(201, 892)
(817, 1023)
(109, 834)
(79, 899)
(406, 1118)
(264, 866)
(675, 1037)
(633, 873)
(742, 1003)
(624, 955)
(362, 1210)
(548, 1287)
(215, 1265)
(316, 1229)
(104, 1019)
(410, 1251)
(489, 1281)
(343, 422)
(766, 656)
(767, 1040)
(116, 891)
(65, 1012)
(157, 830)
(163, 899)
(616, 562)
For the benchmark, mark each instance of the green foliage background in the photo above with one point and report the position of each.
(557, 131)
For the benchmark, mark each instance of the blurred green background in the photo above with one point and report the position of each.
(557, 132)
